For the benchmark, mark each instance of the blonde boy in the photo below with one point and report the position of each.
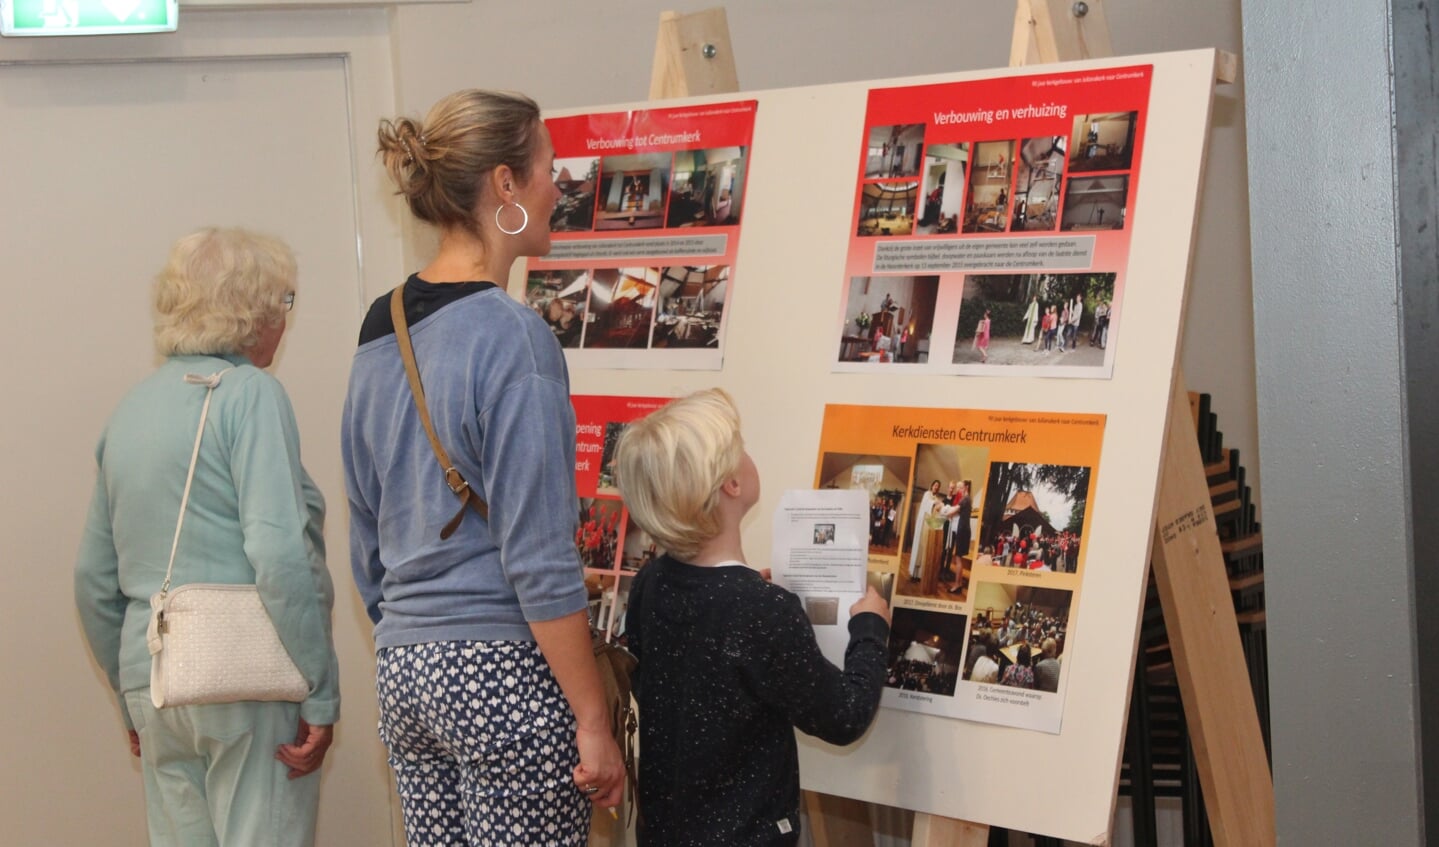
(729, 667)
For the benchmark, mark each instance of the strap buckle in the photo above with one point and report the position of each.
(455, 481)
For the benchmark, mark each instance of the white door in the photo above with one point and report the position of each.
(102, 167)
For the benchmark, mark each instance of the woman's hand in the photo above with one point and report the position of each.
(305, 756)
(601, 767)
(134, 743)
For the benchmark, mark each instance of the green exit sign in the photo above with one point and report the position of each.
(87, 17)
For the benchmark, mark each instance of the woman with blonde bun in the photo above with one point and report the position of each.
(490, 703)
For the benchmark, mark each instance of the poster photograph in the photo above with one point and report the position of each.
(612, 547)
(991, 226)
(645, 235)
(978, 521)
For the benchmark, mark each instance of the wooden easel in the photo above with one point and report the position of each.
(692, 57)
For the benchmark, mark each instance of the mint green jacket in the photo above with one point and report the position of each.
(255, 516)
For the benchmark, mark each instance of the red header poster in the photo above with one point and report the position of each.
(645, 235)
(611, 547)
(992, 224)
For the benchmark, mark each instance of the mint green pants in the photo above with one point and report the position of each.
(211, 777)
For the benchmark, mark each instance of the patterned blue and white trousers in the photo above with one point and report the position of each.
(482, 743)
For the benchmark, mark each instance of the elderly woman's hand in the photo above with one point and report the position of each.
(305, 756)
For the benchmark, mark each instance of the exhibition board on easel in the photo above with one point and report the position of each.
(1059, 440)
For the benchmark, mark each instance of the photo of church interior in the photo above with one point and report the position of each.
(639, 546)
(1036, 186)
(935, 561)
(600, 591)
(1095, 202)
(692, 303)
(606, 480)
(1103, 142)
(708, 187)
(883, 479)
(559, 298)
(924, 651)
(888, 319)
(576, 179)
(887, 208)
(1009, 620)
(633, 192)
(943, 189)
(622, 308)
(990, 178)
(893, 151)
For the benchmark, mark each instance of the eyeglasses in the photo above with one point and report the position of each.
(288, 300)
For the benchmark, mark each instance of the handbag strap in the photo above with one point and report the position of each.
(453, 478)
(210, 382)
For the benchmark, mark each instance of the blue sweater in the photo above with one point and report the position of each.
(498, 392)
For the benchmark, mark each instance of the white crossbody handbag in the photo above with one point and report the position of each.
(214, 643)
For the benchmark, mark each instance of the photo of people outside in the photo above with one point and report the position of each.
(1018, 636)
(1058, 320)
(1033, 517)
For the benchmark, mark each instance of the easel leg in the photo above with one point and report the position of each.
(838, 821)
(1204, 637)
(935, 831)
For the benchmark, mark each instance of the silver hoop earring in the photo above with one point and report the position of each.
(523, 224)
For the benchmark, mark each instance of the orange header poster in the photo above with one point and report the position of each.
(645, 234)
(978, 527)
(992, 223)
(612, 549)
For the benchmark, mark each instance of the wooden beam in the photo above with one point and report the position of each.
(934, 831)
(838, 821)
(1204, 636)
(1048, 31)
(693, 56)
(1226, 67)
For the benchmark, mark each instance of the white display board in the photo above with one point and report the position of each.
(779, 363)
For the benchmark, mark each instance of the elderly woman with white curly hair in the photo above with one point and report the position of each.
(239, 773)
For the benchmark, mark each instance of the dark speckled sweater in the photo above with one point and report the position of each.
(728, 669)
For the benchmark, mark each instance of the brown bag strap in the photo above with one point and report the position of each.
(453, 478)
